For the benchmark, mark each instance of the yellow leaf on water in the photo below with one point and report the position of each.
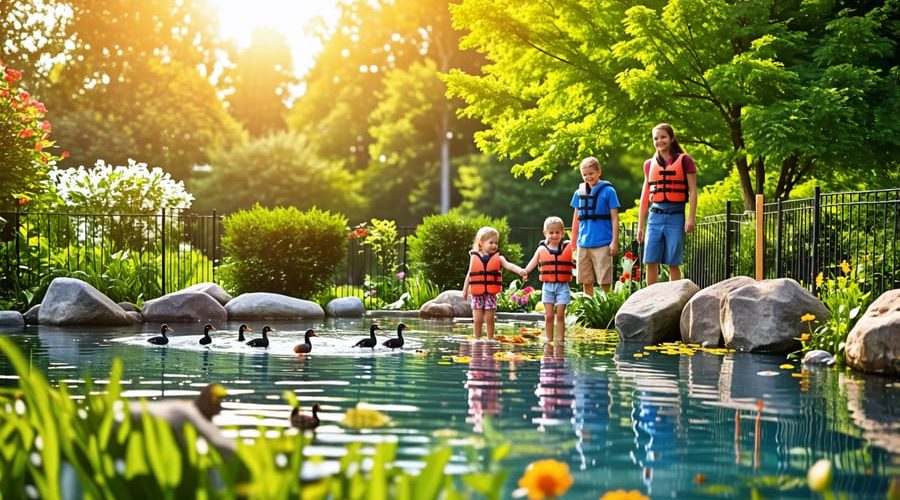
(362, 417)
(462, 359)
(638, 355)
(786, 366)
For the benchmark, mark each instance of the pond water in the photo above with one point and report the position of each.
(666, 423)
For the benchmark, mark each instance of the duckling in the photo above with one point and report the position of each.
(264, 341)
(307, 345)
(305, 422)
(206, 339)
(162, 340)
(397, 342)
(369, 341)
(241, 330)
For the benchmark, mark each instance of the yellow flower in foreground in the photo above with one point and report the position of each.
(845, 267)
(820, 279)
(804, 337)
(820, 475)
(624, 495)
(806, 318)
(546, 479)
(362, 417)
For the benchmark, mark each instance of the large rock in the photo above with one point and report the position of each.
(188, 307)
(449, 304)
(32, 315)
(651, 314)
(70, 301)
(265, 305)
(213, 290)
(765, 316)
(345, 307)
(700, 319)
(11, 319)
(129, 307)
(873, 345)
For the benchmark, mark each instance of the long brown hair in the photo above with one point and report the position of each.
(674, 149)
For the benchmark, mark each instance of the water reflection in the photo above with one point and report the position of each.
(555, 388)
(483, 381)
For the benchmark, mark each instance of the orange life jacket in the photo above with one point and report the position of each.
(555, 266)
(668, 183)
(484, 278)
(587, 201)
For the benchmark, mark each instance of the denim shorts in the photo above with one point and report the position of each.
(664, 241)
(487, 301)
(556, 293)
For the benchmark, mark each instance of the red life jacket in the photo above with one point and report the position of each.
(484, 278)
(555, 266)
(668, 183)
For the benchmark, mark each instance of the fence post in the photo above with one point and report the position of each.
(727, 239)
(163, 251)
(16, 228)
(760, 228)
(814, 250)
(215, 242)
(778, 240)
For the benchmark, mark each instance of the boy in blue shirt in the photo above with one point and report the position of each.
(595, 227)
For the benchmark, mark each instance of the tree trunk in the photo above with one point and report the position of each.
(743, 168)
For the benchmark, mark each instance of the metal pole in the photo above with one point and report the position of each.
(163, 251)
(760, 227)
(814, 250)
(727, 239)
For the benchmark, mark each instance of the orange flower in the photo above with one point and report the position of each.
(804, 337)
(546, 479)
(806, 318)
(627, 276)
(624, 495)
(26, 133)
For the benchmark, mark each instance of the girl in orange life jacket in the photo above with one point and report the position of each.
(670, 183)
(483, 281)
(553, 259)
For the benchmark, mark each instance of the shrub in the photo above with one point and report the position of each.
(600, 310)
(440, 248)
(282, 250)
(512, 299)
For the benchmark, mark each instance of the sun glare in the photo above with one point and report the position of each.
(238, 19)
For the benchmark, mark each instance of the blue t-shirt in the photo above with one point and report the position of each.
(597, 232)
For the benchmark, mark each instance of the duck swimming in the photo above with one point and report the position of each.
(397, 342)
(305, 422)
(162, 340)
(369, 341)
(241, 330)
(264, 341)
(206, 339)
(306, 346)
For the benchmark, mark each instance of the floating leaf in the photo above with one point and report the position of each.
(786, 366)
(363, 417)
(767, 373)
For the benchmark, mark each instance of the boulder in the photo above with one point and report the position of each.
(448, 304)
(700, 319)
(135, 316)
(188, 307)
(651, 314)
(129, 307)
(70, 301)
(873, 345)
(11, 319)
(765, 316)
(345, 307)
(274, 306)
(213, 290)
(31, 315)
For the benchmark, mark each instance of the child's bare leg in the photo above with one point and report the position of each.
(548, 320)
(477, 321)
(674, 273)
(560, 322)
(489, 322)
(652, 273)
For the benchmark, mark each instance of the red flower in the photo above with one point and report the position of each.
(12, 75)
(637, 274)
(626, 276)
(38, 146)
(45, 126)
(26, 133)
(64, 155)
(622, 278)
(23, 202)
(629, 255)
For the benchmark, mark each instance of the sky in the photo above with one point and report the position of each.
(292, 18)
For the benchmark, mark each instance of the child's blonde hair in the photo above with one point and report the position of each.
(483, 234)
(590, 161)
(553, 221)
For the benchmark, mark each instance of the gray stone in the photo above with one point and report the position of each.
(449, 304)
(651, 314)
(700, 319)
(818, 357)
(11, 319)
(873, 345)
(213, 290)
(188, 307)
(345, 307)
(70, 301)
(128, 306)
(31, 315)
(274, 306)
(135, 316)
(765, 316)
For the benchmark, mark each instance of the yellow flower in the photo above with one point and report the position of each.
(362, 417)
(546, 479)
(845, 267)
(804, 337)
(806, 318)
(624, 495)
(819, 280)
(819, 476)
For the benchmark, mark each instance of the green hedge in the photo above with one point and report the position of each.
(282, 250)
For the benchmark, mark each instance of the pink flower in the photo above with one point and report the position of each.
(527, 290)
(401, 276)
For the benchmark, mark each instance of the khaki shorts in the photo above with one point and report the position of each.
(595, 265)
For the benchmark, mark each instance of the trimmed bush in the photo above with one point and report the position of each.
(282, 250)
(440, 248)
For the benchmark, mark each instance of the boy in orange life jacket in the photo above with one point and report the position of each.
(670, 182)
(553, 258)
(595, 227)
(484, 279)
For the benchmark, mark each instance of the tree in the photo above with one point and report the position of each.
(261, 83)
(786, 88)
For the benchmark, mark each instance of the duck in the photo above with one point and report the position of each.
(306, 346)
(397, 342)
(206, 339)
(264, 341)
(162, 340)
(241, 330)
(369, 341)
(305, 422)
